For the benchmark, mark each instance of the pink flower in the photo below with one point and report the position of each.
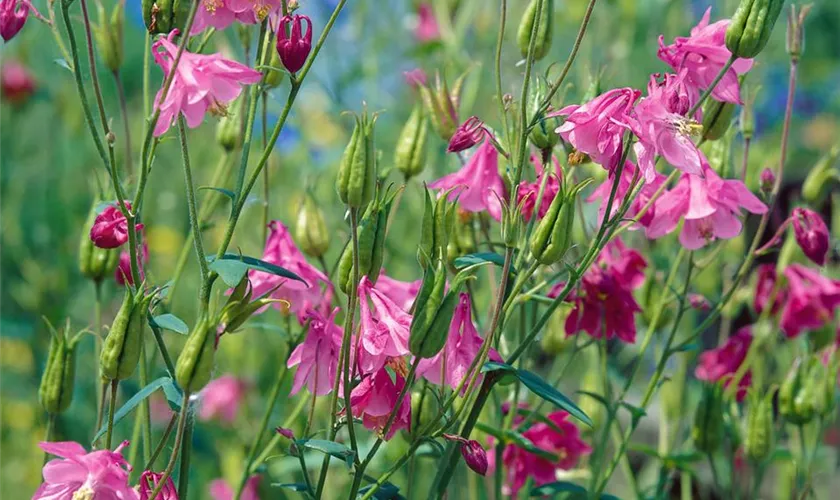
(710, 207)
(566, 446)
(466, 135)
(723, 362)
(110, 227)
(528, 191)
(811, 234)
(149, 481)
(220, 490)
(478, 185)
(703, 55)
(474, 455)
(401, 293)
(597, 127)
(318, 356)
(281, 250)
(812, 300)
(221, 399)
(220, 14)
(13, 14)
(384, 331)
(764, 285)
(122, 274)
(78, 474)
(16, 82)
(415, 78)
(375, 398)
(294, 48)
(462, 346)
(663, 129)
(604, 305)
(603, 191)
(427, 27)
(202, 83)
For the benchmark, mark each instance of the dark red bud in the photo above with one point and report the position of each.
(811, 234)
(293, 48)
(467, 135)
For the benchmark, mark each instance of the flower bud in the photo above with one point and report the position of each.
(717, 117)
(229, 131)
(822, 178)
(750, 28)
(357, 171)
(438, 223)
(293, 45)
(442, 105)
(767, 180)
(467, 135)
(95, 263)
(811, 234)
(371, 238)
(795, 41)
(121, 349)
(758, 444)
(56, 390)
(474, 455)
(553, 235)
(311, 231)
(707, 431)
(163, 16)
(433, 309)
(195, 364)
(110, 227)
(542, 41)
(410, 151)
(109, 37)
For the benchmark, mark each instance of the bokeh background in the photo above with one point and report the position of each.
(47, 164)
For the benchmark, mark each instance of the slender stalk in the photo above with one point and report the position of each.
(713, 467)
(145, 414)
(150, 463)
(712, 85)
(103, 393)
(94, 76)
(129, 170)
(275, 440)
(266, 183)
(112, 407)
(745, 158)
(499, 42)
(48, 432)
(97, 320)
(194, 223)
(58, 40)
(305, 471)
(186, 454)
(179, 435)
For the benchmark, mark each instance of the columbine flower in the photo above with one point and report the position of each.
(710, 207)
(474, 455)
(604, 305)
(222, 13)
(566, 446)
(375, 398)
(220, 490)
(812, 300)
(149, 481)
(384, 331)
(122, 274)
(462, 346)
(16, 82)
(110, 227)
(603, 191)
(78, 474)
(703, 55)
(427, 27)
(597, 127)
(764, 285)
(401, 293)
(478, 185)
(528, 191)
(202, 83)
(13, 14)
(221, 399)
(317, 357)
(467, 135)
(723, 362)
(811, 234)
(301, 297)
(293, 48)
(663, 129)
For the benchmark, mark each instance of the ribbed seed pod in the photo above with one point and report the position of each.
(195, 364)
(356, 180)
(162, 16)
(56, 390)
(750, 28)
(707, 431)
(542, 43)
(410, 151)
(121, 349)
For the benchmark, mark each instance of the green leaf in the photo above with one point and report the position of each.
(330, 448)
(542, 389)
(63, 63)
(539, 417)
(492, 366)
(132, 403)
(480, 258)
(597, 397)
(230, 271)
(232, 268)
(556, 487)
(174, 395)
(171, 322)
(227, 192)
(291, 486)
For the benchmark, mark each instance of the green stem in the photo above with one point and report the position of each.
(499, 42)
(194, 223)
(712, 86)
(97, 320)
(275, 440)
(145, 414)
(179, 435)
(48, 432)
(186, 454)
(129, 170)
(150, 463)
(112, 407)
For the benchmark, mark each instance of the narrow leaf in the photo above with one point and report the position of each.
(227, 192)
(542, 389)
(329, 447)
(291, 486)
(481, 257)
(261, 265)
(171, 322)
(132, 403)
(551, 489)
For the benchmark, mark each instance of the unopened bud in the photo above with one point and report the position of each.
(811, 234)
(823, 177)
(311, 231)
(410, 151)
(467, 135)
(750, 28)
(542, 37)
(767, 181)
(356, 180)
(58, 380)
(194, 367)
(474, 455)
(746, 120)
(293, 45)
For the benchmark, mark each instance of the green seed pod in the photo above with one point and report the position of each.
(438, 223)
(751, 26)
(717, 117)
(95, 263)
(274, 76)
(109, 37)
(797, 398)
(371, 239)
(438, 331)
(311, 231)
(410, 151)
(553, 234)
(758, 444)
(554, 340)
(442, 105)
(162, 16)
(56, 390)
(543, 135)
(823, 177)
(195, 364)
(121, 349)
(707, 431)
(720, 155)
(229, 131)
(429, 301)
(423, 410)
(356, 180)
(542, 43)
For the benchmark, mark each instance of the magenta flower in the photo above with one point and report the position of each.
(221, 399)
(202, 83)
(602, 193)
(467, 135)
(597, 127)
(16, 82)
(415, 78)
(462, 346)
(318, 356)
(664, 130)
(401, 293)
(79, 474)
(220, 14)
(13, 14)
(149, 481)
(110, 227)
(811, 234)
(281, 250)
(384, 331)
(566, 446)
(703, 55)
(812, 300)
(478, 185)
(122, 274)
(710, 207)
(723, 362)
(219, 489)
(427, 29)
(764, 285)
(375, 398)
(604, 304)
(293, 48)
(474, 455)
(528, 191)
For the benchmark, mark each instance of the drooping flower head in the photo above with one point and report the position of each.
(710, 206)
(221, 399)
(202, 83)
(528, 191)
(467, 135)
(293, 45)
(149, 481)
(79, 474)
(628, 174)
(450, 365)
(811, 234)
(703, 55)
(477, 187)
(722, 363)
(219, 489)
(13, 15)
(318, 356)
(16, 82)
(401, 293)
(384, 328)
(474, 455)
(110, 227)
(281, 250)
(812, 300)
(375, 398)
(597, 127)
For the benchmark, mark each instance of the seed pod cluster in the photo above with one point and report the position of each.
(438, 223)
(433, 310)
(553, 234)
(195, 364)
(356, 180)
(410, 151)
(109, 36)
(751, 26)
(121, 349)
(95, 263)
(759, 429)
(708, 428)
(56, 390)
(371, 238)
(808, 390)
(542, 42)
(717, 117)
(311, 231)
(163, 16)
(442, 105)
